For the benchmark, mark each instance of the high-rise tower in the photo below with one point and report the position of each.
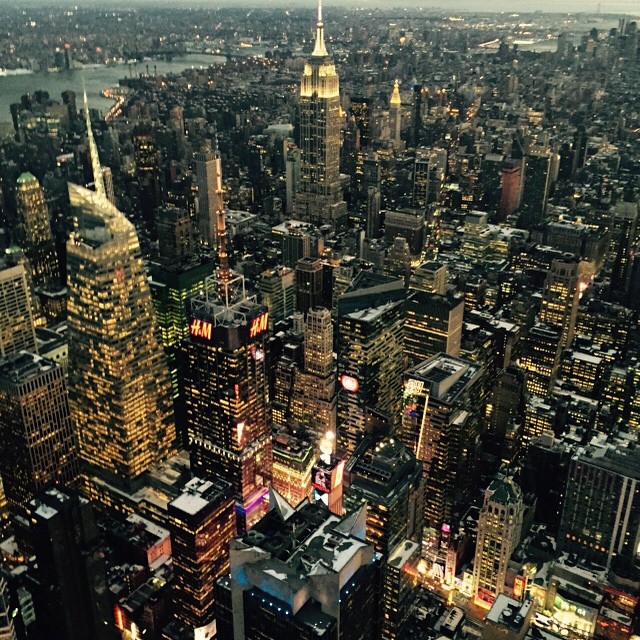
(566, 281)
(228, 407)
(38, 443)
(119, 387)
(370, 359)
(209, 181)
(395, 114)
(16, 317)
(319, 198)
(499, 529)
(35, 237)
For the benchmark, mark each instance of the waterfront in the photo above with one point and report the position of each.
(96, 79)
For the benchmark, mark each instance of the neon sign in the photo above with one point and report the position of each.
(259, 325)
(200, 328)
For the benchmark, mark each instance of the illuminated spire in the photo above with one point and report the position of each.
(395, 100)
(224, 274)
(98, 180)
(320, 50)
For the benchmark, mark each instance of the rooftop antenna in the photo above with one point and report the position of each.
(320, 50)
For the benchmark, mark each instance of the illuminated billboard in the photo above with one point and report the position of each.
(259, 325)
(349, 383)
(200, 328)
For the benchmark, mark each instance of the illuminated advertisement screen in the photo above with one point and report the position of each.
(321, 479)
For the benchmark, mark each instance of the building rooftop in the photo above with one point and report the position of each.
(24, 366)
(509, 612)
(447, 376)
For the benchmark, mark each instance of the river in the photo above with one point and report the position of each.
(96, 79)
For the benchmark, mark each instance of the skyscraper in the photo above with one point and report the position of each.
(319, 198)
(227, 394)
(433, 325)
(565, 283)
(74, 596)
(535, 190)
(385, 474)
(119, 387)
(624, 220)
(35, 237)
(210, 198)
(395, 114)
(16, 318)
(202, 524)
(293, 461)
(7, 628)
(315, 396)
(601, 514)
(278, 289)
(300, 573)
(370, 358)
(309, 281)
(510, 190)
(175, 233)
(499, 529)
(39, 446)
(541, 357)
(440, 425)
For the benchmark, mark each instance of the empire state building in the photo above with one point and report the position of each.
(319, 198)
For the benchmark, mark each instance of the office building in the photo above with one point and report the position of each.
(544, 453)
(624, 221)
(210, 195)
(293, 161)
(370, 358)
(17, 332)
(309, 283)
(386, 475)
(119, 385)
(293, 461)
(34, 232)
(374, 200)
(540, 358)
(601, 514)
(73, 598)
(7, 628)
(408, 224)
(509, 619)
(510, 190)
(395, 115)
(228, 407)
(202, 524)
(433, 325)
(430, 277)
(39, 446)
(565, 283)
(535, 189)
(278, 289)
(172, 281)
(499, 530)
(319, 198)
(360, 109)
(301, 573)
(440, 425)
(314, 400)
(399, 584)
(175, 233)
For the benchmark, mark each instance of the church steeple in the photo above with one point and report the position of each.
(320, 50)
